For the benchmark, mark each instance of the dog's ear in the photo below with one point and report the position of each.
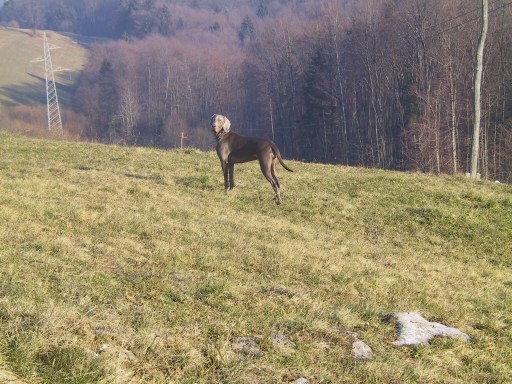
(226, 125)
(215, 123)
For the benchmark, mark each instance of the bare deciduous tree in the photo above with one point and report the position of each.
(478, 86)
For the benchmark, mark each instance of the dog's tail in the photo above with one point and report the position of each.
(278, 155)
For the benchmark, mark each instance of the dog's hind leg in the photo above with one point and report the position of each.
(276, 181)
(274, 174)
(267, 168)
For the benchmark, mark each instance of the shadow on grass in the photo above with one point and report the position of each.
(25, 94)
(35, 93)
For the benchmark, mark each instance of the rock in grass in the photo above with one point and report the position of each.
(413, 329)
(301, 380)
(246, 346)
(281, 339)
(361, 350)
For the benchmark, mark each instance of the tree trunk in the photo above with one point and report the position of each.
(453, 110)
(478, 84)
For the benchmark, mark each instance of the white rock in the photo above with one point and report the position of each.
(361, 350)
(413, 329)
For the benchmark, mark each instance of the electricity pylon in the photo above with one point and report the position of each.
(52, 102)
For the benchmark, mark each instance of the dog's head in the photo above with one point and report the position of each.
(220, 123)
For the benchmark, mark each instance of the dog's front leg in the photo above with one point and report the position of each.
(225, 171)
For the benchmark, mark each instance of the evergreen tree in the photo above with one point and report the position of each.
(262, 10)
(107, 99)
(246, 30)
(319, 122)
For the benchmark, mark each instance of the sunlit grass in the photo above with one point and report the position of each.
(22, 81)
(121, 264)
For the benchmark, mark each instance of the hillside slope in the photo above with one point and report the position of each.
(121, 264)
(23, 82)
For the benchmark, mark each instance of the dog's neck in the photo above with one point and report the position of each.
(221, 135)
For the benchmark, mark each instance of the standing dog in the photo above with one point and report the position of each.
(233, 148)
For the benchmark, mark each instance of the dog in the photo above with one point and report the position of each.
(233, 148)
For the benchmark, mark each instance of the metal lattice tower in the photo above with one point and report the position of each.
(52, 102)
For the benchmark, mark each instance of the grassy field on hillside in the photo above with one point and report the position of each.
(131, 265)
(23, 82)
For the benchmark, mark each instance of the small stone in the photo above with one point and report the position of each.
(361, 350)
(93, 354)
(301, 380)
(281, 339)
(129, 355)
(246, 346)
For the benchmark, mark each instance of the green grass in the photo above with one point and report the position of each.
(142, 250)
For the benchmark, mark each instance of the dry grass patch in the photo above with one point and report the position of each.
(122, 264)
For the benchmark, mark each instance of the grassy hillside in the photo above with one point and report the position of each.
(23, 82)
(132, 265)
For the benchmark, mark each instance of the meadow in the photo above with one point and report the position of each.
(132, 265)
(22, 81)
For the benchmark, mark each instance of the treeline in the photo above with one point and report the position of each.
(133, 18)
(102, 18)
(382, 83)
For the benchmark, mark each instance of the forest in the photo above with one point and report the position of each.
(374, 83)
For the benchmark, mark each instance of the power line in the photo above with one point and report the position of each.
(400, 50)
(52, 101)
(476, 18)
(464, 14)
